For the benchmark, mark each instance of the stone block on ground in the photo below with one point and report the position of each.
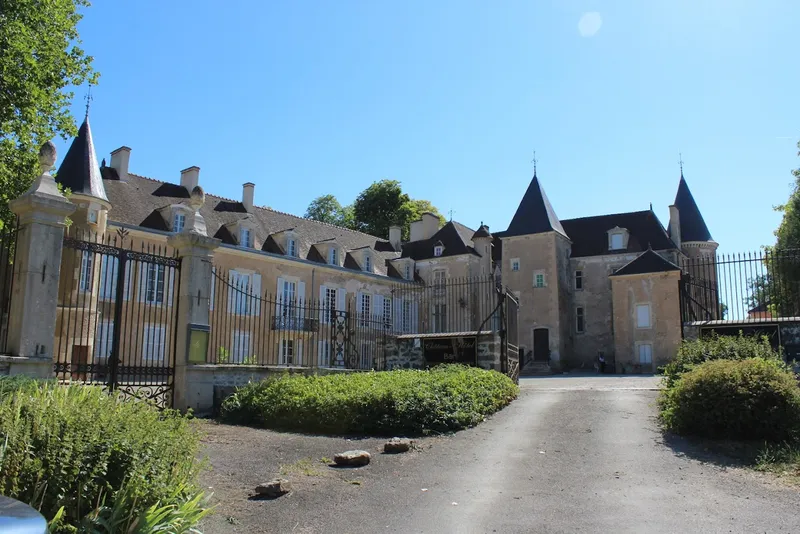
(274, 488)
(396, 445)
(352, 458)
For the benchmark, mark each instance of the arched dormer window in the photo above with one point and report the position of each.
(438, 249)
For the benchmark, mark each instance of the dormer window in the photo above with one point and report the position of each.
(617, 239)
(368, 263)
(178, 222)
(244, 237)
(333, 256)
(438, 250)
(408, 271)
(291, 247)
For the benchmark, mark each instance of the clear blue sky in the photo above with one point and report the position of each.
(452, 98)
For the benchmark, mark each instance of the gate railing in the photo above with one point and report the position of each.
(254, 327)
(117, 316)
(8, 241)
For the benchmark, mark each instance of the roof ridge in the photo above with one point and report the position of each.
(267, 209)
(607, 215)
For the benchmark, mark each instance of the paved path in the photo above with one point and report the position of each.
(570, 455)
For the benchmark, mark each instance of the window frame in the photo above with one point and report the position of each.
(621, 236)
(237, 338)
(536, 275)
(640, 346)
(365, 309)
(368, 263)
(387, 311)
(286, 354)
(515, 265)
(578, 280)
(291, 247)
(580, 319)
(439, 317)
(408, 271)
(179, 216)
(86, 274)
(149, 337)
(245, 235)
(157, 287)
(333, 256)
(438, 250)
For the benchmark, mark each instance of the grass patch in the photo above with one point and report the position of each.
(781, 459)
(408, 402)
(303, 466)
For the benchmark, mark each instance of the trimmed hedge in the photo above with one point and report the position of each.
(445, 398)
(751, 399)
(715, 347)
(77, 453)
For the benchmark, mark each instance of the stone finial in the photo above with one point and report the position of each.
(198, 198)
(47, 156)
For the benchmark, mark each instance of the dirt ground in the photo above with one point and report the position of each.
(241, 458)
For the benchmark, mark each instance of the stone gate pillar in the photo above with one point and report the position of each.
(196, 251)
(42, 212)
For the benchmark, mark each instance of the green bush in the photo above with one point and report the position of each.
(78, 450)
(692, 353)
(752, 399)
(446, 398)
(11, 384)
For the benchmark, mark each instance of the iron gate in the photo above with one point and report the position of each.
(117, 317)
(509, 348)
(8, 241)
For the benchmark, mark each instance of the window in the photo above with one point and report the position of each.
(244, 237)
(643, 316)
(240, 346)
(85, 281)
(243, 284)
(109, 271)
(438, 250)
(439, 318)
(538, 279)
(329, 305)
(578, 279)
(387, 311)
(364, 305)
(408, 271)
(645, 353)
(580, 320)
(406, 316)
(155, 343)
(179, 222)
(94, 214)
(104, 339)
(289, 298)
(368, 263)
(515, 264)
(287, 352)
(154, 290)
(291, 247)
(333, 258)
(617, 241)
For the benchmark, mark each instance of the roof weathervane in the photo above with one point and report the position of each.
(534, 160)
(451, 212)
(88, 98)
(680, 162)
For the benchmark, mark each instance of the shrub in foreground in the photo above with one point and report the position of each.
(446, 398)
(715, 347)
(77, 453)
(752, 399)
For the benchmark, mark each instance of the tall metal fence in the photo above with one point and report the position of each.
(758, 286)
(8, 241)
(250, 326)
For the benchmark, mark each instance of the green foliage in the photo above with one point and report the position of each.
(326, 209)
(692, 353)
(9, 385)
(40, 57)
(750, 399)
(81, 451)
(446, 398)
(421, 206)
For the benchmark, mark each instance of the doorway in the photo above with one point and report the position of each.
(541, 344)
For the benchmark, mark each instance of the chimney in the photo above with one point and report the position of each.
(675, 225)
(248, 192)
(190, 178)
(417, 231)
(119, 161)
(430, 224)
(394, 237)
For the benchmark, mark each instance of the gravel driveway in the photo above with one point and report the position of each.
(572, 454)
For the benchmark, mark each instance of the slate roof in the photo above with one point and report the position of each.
(589, 234)
(79, 170)
(454, 236)
(534, 215)
(483, 231)
(693, 227)
(137, 201)
(646, 262)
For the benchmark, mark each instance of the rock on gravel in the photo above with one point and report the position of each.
(395, 445)
(274, 488)
(352, 458)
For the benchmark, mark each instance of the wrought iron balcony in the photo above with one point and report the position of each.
(302, 324)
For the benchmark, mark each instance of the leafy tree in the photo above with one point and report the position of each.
(421, 206)
(326, 209)
(40, 57)
(381, 205)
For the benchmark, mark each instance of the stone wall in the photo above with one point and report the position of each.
(407, 353)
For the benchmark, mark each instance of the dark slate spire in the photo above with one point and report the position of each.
(79, 170)
(693, 227)
(483, 231)
(534, 215)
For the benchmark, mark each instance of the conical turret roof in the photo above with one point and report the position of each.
(693, 227)
(534, 215)
(79, 171)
